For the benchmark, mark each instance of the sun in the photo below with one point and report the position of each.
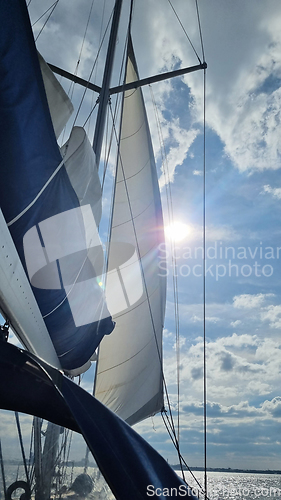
(177, 231)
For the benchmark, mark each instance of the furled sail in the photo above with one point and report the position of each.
(129, 369)
(55, 235)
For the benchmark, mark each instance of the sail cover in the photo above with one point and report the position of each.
(129, 369)
(53, 233)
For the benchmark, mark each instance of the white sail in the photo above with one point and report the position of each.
(129, 370)
(18, 303)
(59, 103)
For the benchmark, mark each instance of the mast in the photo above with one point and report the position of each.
(104, 95)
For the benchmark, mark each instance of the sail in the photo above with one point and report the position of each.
(129, 369)
(53, 233)
(18, 303)
(131, 467)
(59, 103)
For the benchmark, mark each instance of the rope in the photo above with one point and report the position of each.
(185, 32)
(145, 285)
(96, 72)
(183, 462)
(169, 199)
(22, 448)
(35, 22)
(200, 30)
(204, 291)
(3, 470)
(54, 6)
(92, 70)
(204, 262)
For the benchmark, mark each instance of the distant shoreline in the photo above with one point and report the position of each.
(220, 469)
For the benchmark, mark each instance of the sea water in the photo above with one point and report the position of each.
(237, 485)
(221, 485)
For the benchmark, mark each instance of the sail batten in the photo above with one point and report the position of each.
(129, 370)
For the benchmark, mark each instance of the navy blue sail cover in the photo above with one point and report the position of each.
(131, 467)
(29, 155)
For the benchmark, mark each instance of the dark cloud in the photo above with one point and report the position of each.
(227, 362)
(196, 373)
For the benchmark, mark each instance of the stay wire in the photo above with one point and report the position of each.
(204, 286)
(96, 72)
(92, 70)
(146, 292)
(53, 8)
(204, 261)
(22, 447)
(117, 105)
(185, 32)
(44, 13)
(200, 30)
(140, 260)
(170, 210)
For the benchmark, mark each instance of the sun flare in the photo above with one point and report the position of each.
(177, 231)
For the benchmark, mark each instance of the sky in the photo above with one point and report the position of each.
(242, 43)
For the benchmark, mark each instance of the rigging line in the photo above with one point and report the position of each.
(204, 286)
(35, 22)
(163, 414)
(172, 243)
(72, 84)
(56, 3)
(174, 440)
(144, 282)
(3, 471)
(30, 452)
(185, 32)
(22, 447)
(118, 100)
(96, 72)
(82, 46)
(90, 114)
(200, 30)
(167, 424)
(92, 70)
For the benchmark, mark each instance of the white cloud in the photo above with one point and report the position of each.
(275, 192)
(239, 367)
(235, 323)
(273, 315)
(247, 301)
(199, 319)
(178, 153)
(221, 233)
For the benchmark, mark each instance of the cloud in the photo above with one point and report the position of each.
(177, 154)
(235, 323)
(275, 192)
(247, 301)
(273, 315)
(243, 91)
(238, 367)
(199, 319)
(221, 233)
(273, 407)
